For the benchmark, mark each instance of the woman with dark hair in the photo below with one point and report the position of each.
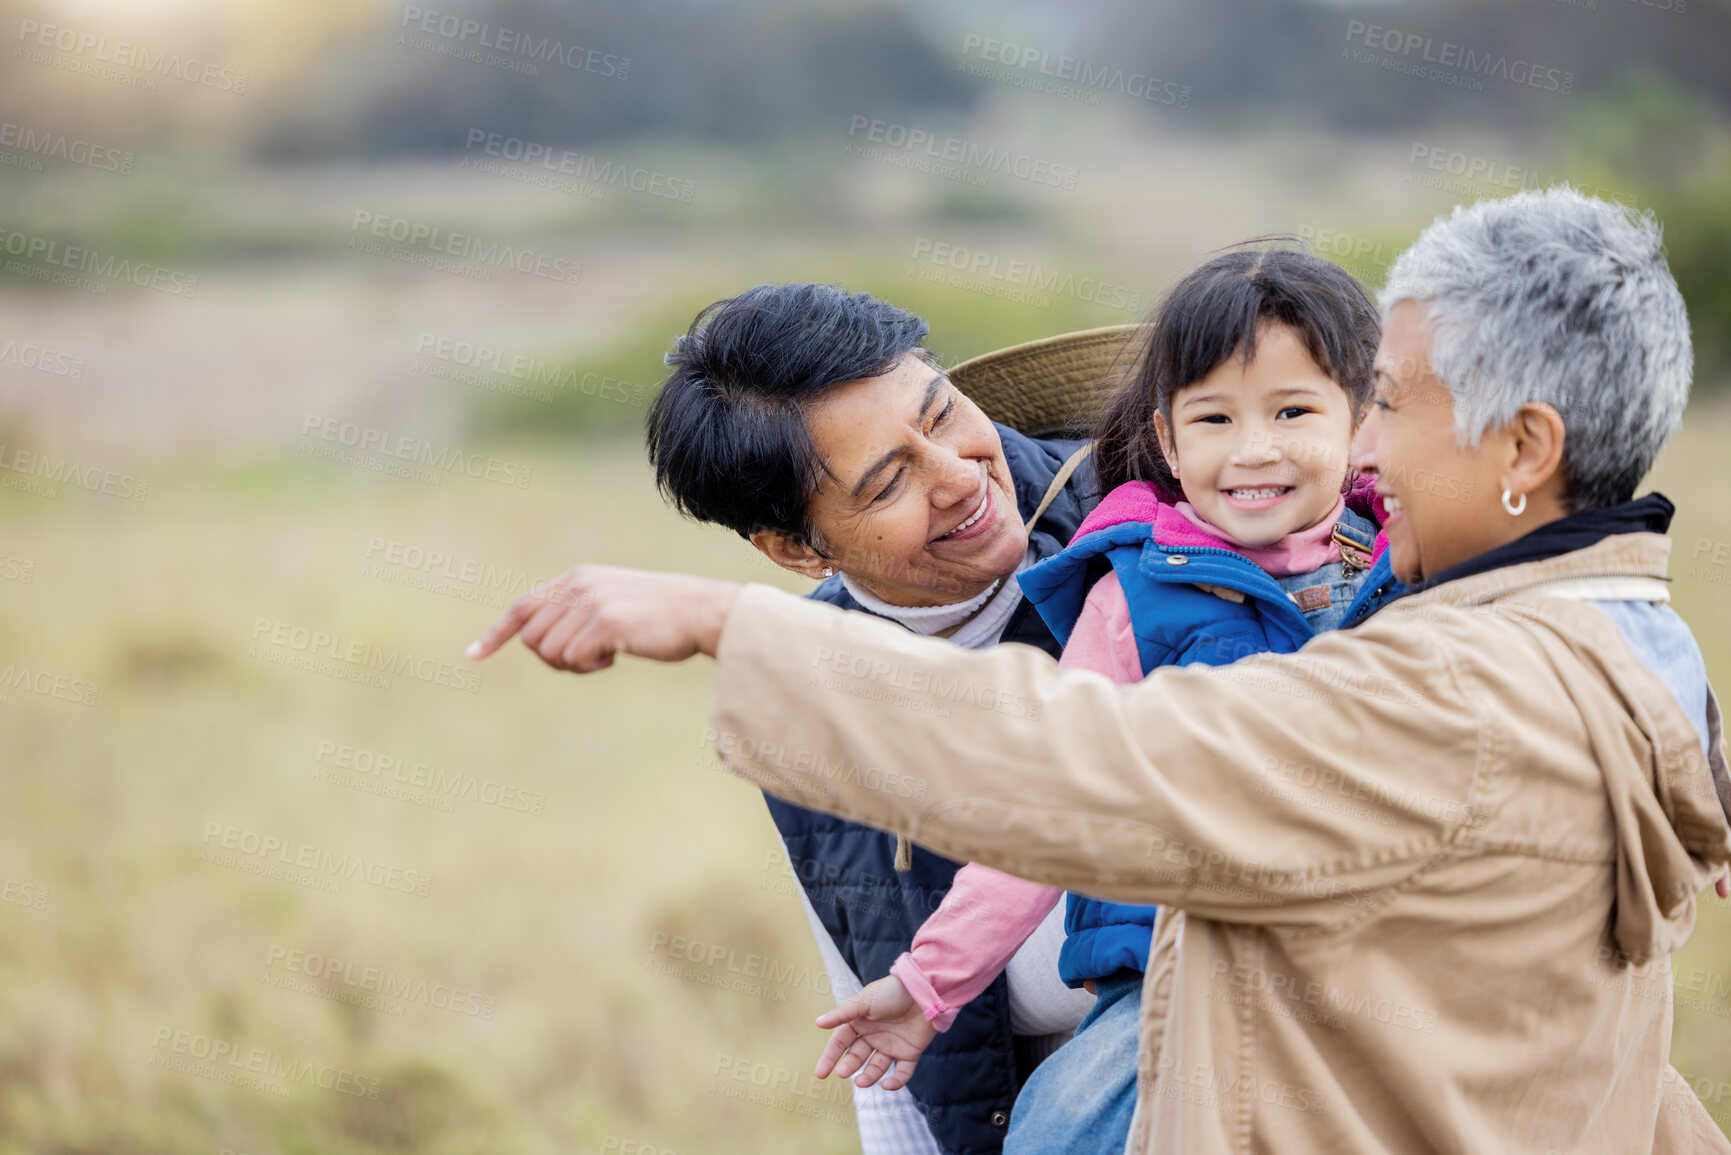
(814, 423)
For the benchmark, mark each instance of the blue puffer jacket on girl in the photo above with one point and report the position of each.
(1192, 598)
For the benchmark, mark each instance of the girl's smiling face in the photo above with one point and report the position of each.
(1261, 449)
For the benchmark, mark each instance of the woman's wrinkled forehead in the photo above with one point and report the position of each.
(1402, 367)
(862, 428)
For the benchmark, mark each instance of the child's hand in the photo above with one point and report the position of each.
(879, 1025)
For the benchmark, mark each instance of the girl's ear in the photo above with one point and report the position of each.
(1167, 449)
(790, 553)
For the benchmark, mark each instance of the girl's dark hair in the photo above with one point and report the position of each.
(1213, 313)
(727, 433)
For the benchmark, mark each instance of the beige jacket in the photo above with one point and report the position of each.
(1429, 867)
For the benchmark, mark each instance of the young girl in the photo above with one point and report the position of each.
(1230, 527)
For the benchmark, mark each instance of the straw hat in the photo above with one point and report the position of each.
(1056, 385)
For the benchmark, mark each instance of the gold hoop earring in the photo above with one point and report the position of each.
(1514, 510)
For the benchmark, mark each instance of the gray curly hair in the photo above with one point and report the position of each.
(1556, 297)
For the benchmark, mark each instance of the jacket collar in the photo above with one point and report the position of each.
(1612, 555)
(1650, 514)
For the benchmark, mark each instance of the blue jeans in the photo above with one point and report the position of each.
(1080, 1100)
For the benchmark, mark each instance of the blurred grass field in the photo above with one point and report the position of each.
(553, 916)
(635, 944)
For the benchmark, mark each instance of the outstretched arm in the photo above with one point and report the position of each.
(1152, 802)
(1212, 789)
(1163, 792)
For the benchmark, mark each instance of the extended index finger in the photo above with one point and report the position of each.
(509, 623)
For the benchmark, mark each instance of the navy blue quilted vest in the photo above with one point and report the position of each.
(968, 1078)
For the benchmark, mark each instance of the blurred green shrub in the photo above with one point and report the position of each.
(1650, 136)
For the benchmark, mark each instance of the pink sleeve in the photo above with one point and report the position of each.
(1102, 640)
(987, 915)
(983, 920)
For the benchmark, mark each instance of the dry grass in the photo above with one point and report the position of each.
(560, 922)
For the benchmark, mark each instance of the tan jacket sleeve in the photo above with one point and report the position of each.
(1276, 790)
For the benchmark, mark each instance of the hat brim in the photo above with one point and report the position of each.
(1055, 386)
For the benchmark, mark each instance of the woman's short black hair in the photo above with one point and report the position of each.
(727, 433)
(1214, 313)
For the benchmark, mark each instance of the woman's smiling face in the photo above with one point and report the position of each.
(1443, 499)
(917, 505)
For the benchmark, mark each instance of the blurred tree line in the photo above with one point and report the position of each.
(746, 71)
(345, 81)
(1291, 60)
(754, 70)
(1645, 78)
(337, 79)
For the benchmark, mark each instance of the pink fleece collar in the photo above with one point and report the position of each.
(1306, 551)
(1138, 501)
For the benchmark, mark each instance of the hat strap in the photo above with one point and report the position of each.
(1063, 475)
